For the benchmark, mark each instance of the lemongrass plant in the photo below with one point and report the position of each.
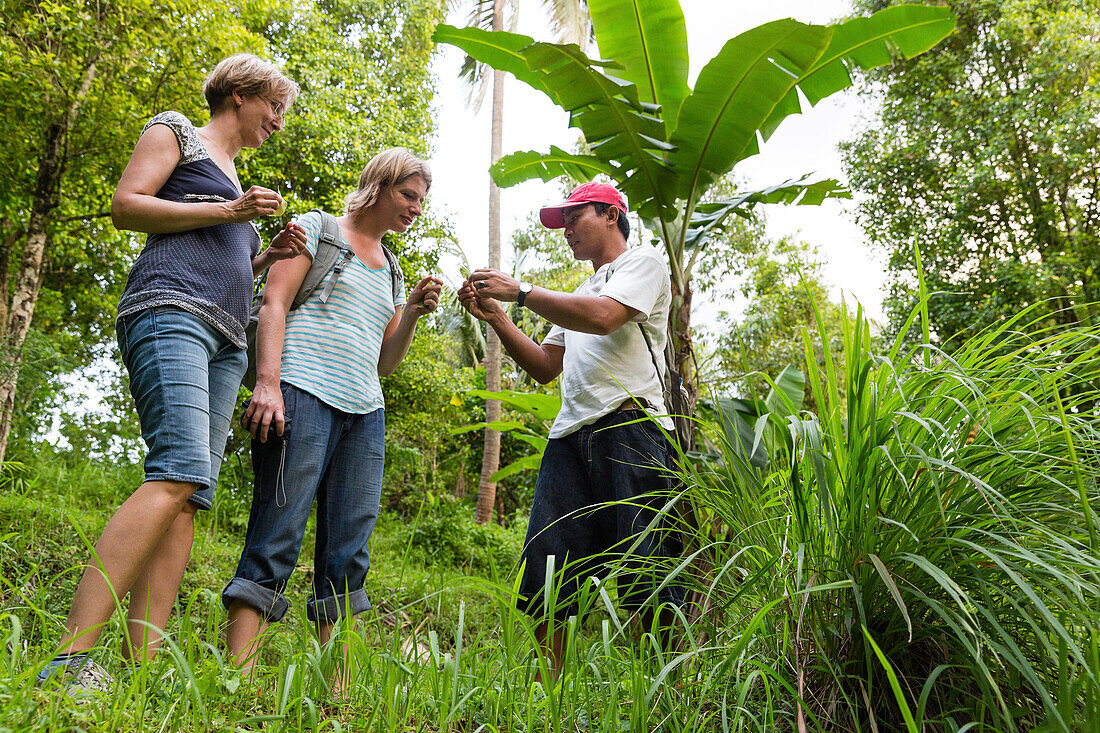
(922, 553)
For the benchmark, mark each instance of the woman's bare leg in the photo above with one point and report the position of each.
(123, 550)
(154, 592)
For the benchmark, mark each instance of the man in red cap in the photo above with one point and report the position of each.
(604, 476)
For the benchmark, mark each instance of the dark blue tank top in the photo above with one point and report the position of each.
(206, 271)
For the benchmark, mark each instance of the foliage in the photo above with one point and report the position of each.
(986, 155)
(543, 408)
(153, 57)
(753, 429)
(664, 143)
(445, 532)
(929, 534)
(782, 289)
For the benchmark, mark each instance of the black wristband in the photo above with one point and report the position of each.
(521, 297)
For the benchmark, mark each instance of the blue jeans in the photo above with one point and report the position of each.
(184, 377)
(596, 509)
(336, 457)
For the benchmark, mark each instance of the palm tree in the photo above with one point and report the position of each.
(570, 23)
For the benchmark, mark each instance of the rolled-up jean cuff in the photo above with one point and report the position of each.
(332, 608)
(271, 605)
(203, 498)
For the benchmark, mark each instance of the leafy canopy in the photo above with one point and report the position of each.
(986, 154)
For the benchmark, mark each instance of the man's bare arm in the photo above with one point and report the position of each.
(584, 313)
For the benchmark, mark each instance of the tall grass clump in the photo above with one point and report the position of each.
(921, 554)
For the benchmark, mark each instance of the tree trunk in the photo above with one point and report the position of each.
(28, 278)
(460, 484)
(5, 270)
(683, 359)
(490, 460)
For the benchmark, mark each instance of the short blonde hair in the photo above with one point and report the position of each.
(250, 75)
(388, 168)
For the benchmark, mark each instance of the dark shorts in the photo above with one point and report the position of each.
(597, 511)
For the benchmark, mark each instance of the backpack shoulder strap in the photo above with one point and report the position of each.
(397, 276)
(329, 256)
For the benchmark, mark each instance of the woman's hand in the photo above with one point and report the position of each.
(265, 411)
(288, 243)
(253, 203)
(424, 298)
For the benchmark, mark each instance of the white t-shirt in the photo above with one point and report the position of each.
(600, 372)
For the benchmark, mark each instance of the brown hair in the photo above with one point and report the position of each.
(250, 75)
(388, 168)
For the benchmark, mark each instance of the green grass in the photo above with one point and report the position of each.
(920, 555)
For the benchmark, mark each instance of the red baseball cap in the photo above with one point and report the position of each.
(553, 217)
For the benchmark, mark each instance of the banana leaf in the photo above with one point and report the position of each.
(649, 38)
(736, 92)
(542, 406)
(713, 216)
(523, 166)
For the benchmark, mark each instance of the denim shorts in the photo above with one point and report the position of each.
(337, 458)
(596, 510)
(184, 377)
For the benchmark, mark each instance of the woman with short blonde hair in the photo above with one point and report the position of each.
(181, 330)
(248, 75)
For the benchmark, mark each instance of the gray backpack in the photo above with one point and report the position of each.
(332, 257)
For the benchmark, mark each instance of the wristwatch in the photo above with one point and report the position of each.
(524, 289)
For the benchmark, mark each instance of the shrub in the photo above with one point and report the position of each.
(445, 532)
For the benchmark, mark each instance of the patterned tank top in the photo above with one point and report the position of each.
(205, 271)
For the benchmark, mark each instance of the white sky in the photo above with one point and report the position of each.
(802, 144)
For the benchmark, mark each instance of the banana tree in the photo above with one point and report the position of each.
(666, 144)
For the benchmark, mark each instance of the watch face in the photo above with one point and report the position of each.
(525, 287)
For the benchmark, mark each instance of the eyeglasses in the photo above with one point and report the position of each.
(277, 107)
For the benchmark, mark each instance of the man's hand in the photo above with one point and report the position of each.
(480, 308)
(288, 243)
(424, 298)
(495, 284)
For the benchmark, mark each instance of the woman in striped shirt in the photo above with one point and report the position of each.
(317, 415)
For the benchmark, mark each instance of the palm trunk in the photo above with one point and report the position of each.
(490, 460)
